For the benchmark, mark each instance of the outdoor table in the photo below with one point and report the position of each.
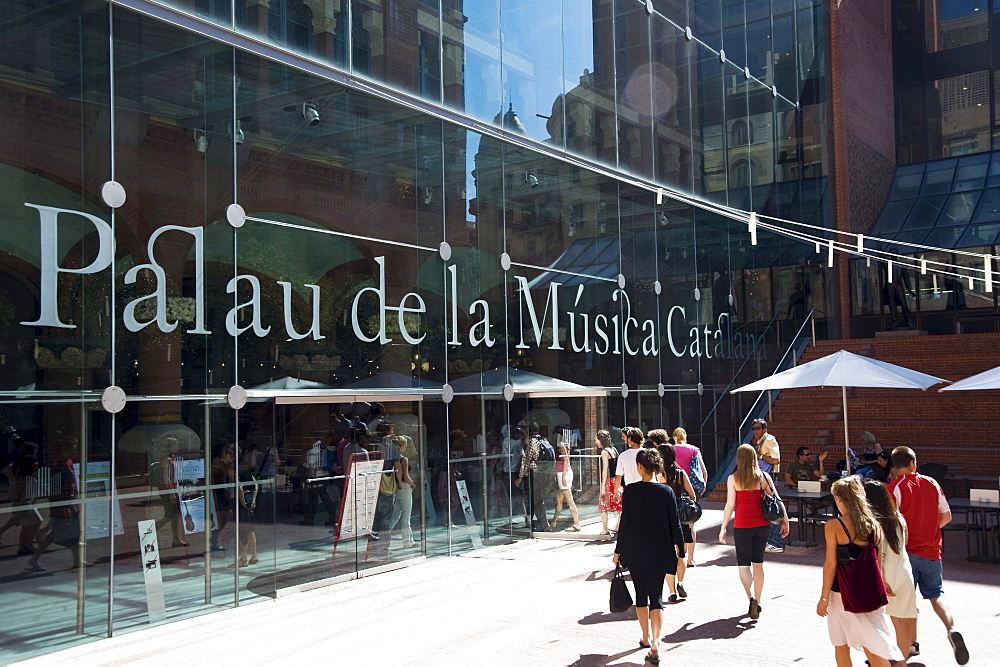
(802, 499)
(985, 552)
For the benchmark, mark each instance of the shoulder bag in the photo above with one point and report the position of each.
(771, 506)
(688, 509)
(621, 599)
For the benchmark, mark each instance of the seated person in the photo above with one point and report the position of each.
(800, 470)
(882, 468)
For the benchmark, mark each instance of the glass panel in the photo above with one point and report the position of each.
(892, 217)
(710, 156)
(174, 298)
(907, 183)
(924, 213)
(474, 81)
(955, 23)
(993, 179)
(963, 126)
(971, 173)
(944, 237)
(989, 206)
(672, 97)
(938, 178)
(56, 524)
(959, 209)
(633, 77)
(166, 473)
(532, 81)
(979, 235)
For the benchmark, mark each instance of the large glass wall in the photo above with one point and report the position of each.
(265, 329)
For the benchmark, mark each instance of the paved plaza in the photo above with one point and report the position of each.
(544, 602)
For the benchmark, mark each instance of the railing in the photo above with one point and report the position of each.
(765, 399)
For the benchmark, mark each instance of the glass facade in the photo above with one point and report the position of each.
(232, 227)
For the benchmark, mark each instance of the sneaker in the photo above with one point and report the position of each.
(914, 649)
(673, 599)
(958, 646)
(771, 549)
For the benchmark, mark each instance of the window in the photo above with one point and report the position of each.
(740, 133)
(740, 175)
(953, 23)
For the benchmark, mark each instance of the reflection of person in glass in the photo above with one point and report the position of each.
(894, 294)
(23, 493)
(166, 485)
(564, 488)
(64, 519)
(402, 508)
(222, 478)
(247, 498)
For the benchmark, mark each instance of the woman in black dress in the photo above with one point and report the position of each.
(650, 541)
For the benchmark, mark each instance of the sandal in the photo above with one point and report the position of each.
(573, 529)
(653, 659)
(643, 644)
(253, 560)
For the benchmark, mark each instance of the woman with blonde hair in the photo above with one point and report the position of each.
(853, 597)
(902, 604)
(744, 490)
(690, 460)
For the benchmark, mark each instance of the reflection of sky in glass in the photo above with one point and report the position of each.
(951, 9)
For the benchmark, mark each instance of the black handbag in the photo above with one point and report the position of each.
(621, 599)
(771, 507)
(688, 509)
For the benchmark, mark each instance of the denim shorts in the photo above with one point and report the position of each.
(927, 575)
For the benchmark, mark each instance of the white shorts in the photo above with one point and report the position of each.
(871, 630)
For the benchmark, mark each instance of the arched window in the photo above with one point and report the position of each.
(740, 176)
(739, 134)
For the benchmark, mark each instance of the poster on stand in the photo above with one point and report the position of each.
(189, 478)
(357, 510)
(97, 484)
(470, 517)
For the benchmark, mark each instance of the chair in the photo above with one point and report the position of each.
(938, 471)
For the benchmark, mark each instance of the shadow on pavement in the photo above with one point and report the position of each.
(607, 617)
(723, 628)
(593, 659)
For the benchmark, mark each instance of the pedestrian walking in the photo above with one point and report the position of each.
(853, 596)
(650, 543)
(674, 477)
(744, 490)
(902, 604)
(923, 505)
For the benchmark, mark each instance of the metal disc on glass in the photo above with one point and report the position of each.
(621, 281)
(235, 215)
(697, 294)
(113, 194)
(237, 397)
(113, 399)
(444, 250)
(701, 389)
(447, 393)
(624, 390)
(661, 390)
(508, 392)
(657, 287)
(505, 263)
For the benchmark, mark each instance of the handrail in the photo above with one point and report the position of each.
(754, 412)
(724, 392)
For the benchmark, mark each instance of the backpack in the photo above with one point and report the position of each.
(698, 482)
(546, 452)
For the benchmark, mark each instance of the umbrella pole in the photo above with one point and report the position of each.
(847, 445)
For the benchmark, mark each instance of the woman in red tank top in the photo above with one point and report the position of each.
(743, 495)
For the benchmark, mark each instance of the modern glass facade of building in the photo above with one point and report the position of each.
(448, 209)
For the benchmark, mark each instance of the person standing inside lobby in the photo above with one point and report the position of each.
(769, 460)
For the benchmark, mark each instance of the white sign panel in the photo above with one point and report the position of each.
(149, 558)
(98, 485)
(470, 517)
(357, 511)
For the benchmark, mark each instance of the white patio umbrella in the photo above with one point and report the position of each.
(843, 369)
(986, 380)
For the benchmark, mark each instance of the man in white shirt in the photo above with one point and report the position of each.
(626, 471)
(770, 462)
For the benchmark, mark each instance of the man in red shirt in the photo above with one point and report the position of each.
(926, 510)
